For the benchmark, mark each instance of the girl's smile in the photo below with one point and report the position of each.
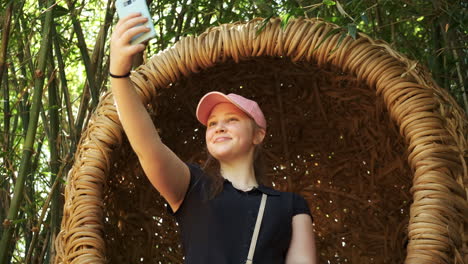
(221, 139)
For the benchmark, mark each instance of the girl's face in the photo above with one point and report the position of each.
(230, 133)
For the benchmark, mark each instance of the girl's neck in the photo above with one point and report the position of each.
(240, 173)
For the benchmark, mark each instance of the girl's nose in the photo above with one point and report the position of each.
(220, 128)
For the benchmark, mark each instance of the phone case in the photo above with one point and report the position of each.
(125, 7)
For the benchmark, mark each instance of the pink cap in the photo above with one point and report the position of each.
(211, 99)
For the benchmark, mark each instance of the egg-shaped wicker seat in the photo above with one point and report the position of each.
(365, 135)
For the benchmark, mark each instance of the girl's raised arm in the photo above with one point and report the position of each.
(168, 174)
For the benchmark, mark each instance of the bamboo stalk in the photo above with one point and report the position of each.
(29, 196)
(99, 50)
(56, 206)
(180, 20)
(6, 143)
(25, 164)
(436, 44)
(84, 53)
(6, 115)
(5, 38)
(4, 197)
(11, 132)
(82, 112)
(459, 74)
(24, 55)
(79, 121)
(188, 21)
(46, 205)
(43, 255)
(54, 154)
(450, 46)
(64, 88)
(160, 41)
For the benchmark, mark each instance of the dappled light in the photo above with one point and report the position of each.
(330, 139)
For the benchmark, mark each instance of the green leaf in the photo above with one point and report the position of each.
(329, 2)
(342, 11)
(59, 11)
(18, 221)
(285, 20)
(263, 6)
(340, 40)
(263, 24)
(364, 18)
(63, 181)
(329, 34)
(352, 30)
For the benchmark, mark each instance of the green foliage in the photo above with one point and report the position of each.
(431, 32)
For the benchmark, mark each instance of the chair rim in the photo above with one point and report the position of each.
(383, 69)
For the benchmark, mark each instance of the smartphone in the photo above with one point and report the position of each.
(126, 7)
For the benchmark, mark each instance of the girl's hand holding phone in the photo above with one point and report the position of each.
(121, 48)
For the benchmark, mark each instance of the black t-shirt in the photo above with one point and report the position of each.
(220, 230)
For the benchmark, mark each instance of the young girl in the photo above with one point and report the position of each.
(217, 213)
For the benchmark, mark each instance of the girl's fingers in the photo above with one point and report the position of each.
(134, 49)
(132, 32)
(130, 23)
(130, 16)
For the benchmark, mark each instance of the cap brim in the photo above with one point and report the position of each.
(208, 102)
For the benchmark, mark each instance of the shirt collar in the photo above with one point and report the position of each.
(267, 190)
(262, 188)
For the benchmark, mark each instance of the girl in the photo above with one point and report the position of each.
(217, 213)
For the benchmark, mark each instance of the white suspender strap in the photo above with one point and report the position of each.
(253, 243)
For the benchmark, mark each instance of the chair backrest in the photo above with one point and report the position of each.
(375, 146)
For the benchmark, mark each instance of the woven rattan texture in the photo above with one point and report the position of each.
(328, 139)
(377, 149)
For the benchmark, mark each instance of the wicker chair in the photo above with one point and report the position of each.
(364, 134)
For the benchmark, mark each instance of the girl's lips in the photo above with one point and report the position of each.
(221, 139)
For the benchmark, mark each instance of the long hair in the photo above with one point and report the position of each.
(213, 170)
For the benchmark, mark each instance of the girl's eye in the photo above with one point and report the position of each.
(210, 124)
(232, 119)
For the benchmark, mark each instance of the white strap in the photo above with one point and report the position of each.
(253, 243)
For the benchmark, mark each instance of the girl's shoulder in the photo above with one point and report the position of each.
(197, 175)
(294, 201)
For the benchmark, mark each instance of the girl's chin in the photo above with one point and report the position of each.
(221, 155)
(226, 155)
(226, 152)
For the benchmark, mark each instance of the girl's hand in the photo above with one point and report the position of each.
(121, 50)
